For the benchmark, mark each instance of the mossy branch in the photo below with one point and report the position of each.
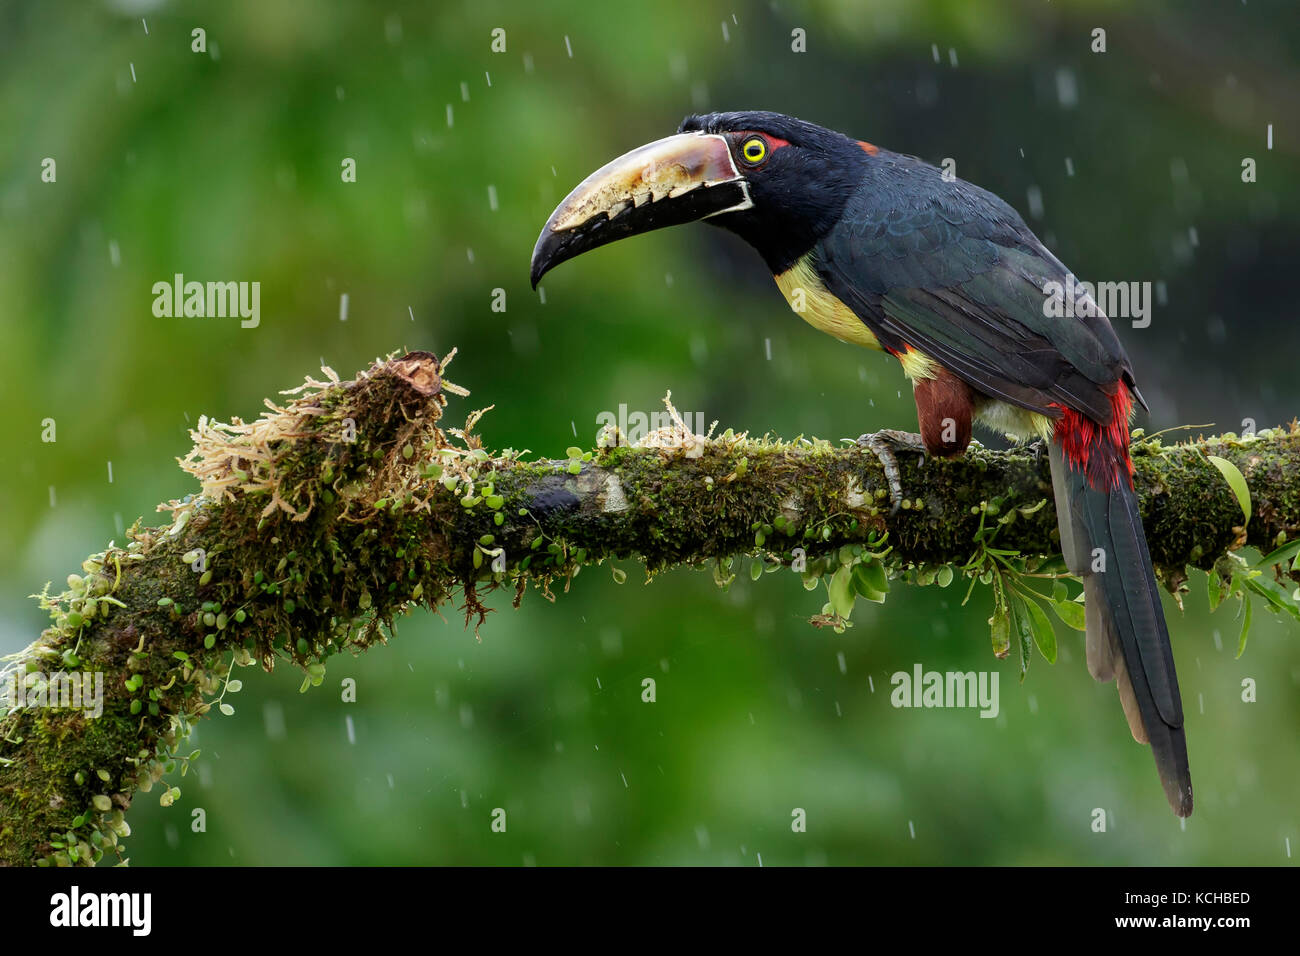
(327, 518)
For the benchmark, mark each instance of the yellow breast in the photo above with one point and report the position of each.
(816, 305)
(810, 299)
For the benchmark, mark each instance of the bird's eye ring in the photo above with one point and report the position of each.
(754, 150)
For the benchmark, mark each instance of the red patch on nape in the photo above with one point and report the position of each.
(1100, 451)
(867, 148)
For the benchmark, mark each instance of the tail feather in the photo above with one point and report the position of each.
(1126, 637)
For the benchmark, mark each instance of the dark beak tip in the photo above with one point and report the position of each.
(543, 257)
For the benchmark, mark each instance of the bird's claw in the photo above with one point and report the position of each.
(883, 444)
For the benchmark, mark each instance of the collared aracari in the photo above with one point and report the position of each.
(882, 250)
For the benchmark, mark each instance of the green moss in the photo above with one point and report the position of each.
(317, 549)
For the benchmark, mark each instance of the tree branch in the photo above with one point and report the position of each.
(323, 520)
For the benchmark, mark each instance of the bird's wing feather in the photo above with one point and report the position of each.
(951, 270)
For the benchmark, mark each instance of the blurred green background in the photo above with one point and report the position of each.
(225, 165)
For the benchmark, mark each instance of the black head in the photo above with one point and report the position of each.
(776, 181)
(799, 184)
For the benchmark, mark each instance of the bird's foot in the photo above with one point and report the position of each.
(883, 444)
(1037, 446)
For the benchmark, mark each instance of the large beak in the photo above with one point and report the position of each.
(678, 179)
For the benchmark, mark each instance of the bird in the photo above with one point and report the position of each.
(884, 250)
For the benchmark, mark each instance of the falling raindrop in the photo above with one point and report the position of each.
(699, 349)
(927, 91)
(273, 720)
(1067, 90)
(1035, 197)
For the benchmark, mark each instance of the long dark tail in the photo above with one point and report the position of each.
(1127, 641)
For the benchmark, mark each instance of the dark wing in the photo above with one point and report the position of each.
(952, 270)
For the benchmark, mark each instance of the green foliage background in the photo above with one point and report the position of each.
(225, 166)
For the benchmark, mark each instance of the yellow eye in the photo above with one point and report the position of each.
(754, 149)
